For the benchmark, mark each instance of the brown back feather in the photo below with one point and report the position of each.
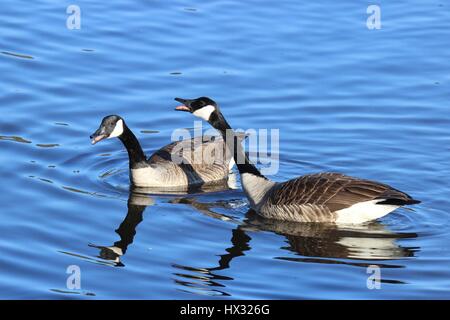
(332, 190)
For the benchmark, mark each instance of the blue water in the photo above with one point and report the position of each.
(368, 103)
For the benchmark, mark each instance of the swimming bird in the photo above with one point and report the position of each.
(320, 197)
(181, 164)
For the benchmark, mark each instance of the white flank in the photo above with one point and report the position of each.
(155, 178)
(255, 188)
(118, 129)
(364, 212)
(204, 112)
(147, 177)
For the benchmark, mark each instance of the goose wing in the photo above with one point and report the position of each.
(204, 158)
(192, 150)
(335, 191)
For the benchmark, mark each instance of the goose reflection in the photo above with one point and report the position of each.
(329, 243)
(127, 230)
(360, 246)
(205, 281)
(139, 199)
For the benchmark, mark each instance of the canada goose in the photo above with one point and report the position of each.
(201, 162)
(321, 197)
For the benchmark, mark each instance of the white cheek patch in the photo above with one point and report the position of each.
(118, 129)
(204, 112)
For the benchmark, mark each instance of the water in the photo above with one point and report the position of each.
(369, 103)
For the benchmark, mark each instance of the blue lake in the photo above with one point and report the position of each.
(368, 103)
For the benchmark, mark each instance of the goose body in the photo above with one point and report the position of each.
(179, 165)
(159, 171)
(321, 197)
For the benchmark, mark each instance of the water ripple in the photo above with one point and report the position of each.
(369, 103)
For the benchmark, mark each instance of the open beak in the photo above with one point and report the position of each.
(186, 105)
(97, 136)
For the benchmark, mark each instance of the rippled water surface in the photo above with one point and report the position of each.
(368, 103)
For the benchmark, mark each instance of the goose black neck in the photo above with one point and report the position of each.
(135, 153)
(217, 120)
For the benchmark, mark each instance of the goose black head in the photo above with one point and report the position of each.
(202, 107)
(110, 127)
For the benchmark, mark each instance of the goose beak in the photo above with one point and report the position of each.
(97, 136)
(97, 139)
(186, 105)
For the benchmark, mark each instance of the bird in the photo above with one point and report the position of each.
(179, 165)
(327, 197)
